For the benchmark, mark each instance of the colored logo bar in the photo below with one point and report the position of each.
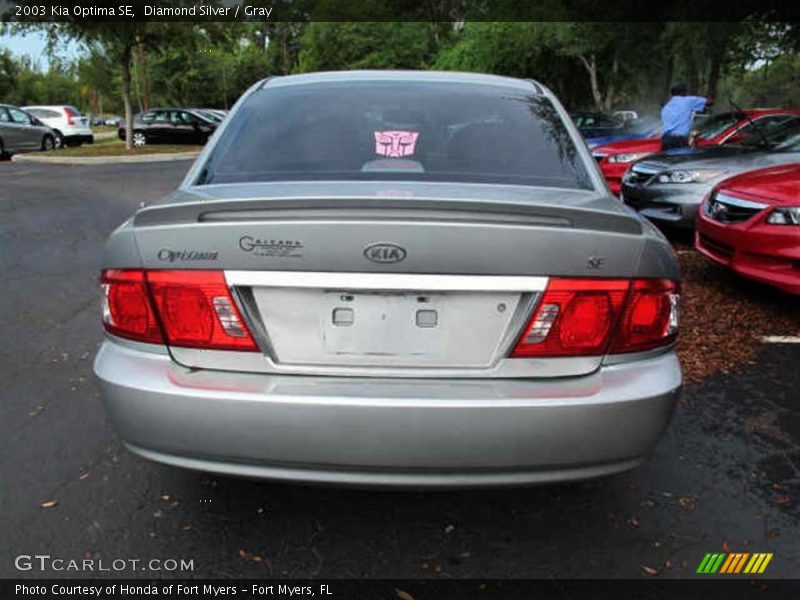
(735, 562)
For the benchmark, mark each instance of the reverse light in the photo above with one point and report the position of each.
(690, 176)
(192, 309)
(786, 215)
(589, 317)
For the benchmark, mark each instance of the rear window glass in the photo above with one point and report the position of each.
(397, 131)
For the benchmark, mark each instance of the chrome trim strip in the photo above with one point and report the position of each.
(386, 281)
(723, 198)
(646, 169)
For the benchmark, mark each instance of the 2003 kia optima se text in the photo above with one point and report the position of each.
(392, 279)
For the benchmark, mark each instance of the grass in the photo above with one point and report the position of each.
(116, 147)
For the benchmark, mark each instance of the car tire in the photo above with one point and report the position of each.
(3, 155)
(48, 143)
(139, 138)
(59, 139)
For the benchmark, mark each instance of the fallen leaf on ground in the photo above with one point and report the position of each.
(36, 411)
(83, 476)
(650, 571)
(49, 504)
(403, 595)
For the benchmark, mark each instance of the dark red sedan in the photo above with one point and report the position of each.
(751, 223)
(725, 128)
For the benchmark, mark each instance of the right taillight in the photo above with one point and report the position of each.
(651, 316)
(590, 317)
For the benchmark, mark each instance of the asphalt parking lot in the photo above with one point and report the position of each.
(725, 478)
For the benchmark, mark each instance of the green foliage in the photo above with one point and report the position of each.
(775, 84)
(336, 46)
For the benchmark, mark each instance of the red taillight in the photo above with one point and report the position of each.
(575, 317)
(127, 311)
(194, 308)
(585, 317)
(651, 316)
(70, 116)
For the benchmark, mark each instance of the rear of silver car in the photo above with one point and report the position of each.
(390, 333)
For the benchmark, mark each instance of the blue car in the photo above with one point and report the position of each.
(632, 130)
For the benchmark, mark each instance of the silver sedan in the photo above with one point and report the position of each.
(392, 279)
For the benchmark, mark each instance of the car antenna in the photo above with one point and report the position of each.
(753, 123)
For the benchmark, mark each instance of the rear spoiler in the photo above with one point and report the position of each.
(577, 216)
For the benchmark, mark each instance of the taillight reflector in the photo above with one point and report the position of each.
(588, 317)
(193, 309)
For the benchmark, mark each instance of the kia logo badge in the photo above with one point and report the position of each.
(385, 253)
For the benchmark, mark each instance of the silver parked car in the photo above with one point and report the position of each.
(393, 279)
(20, 131)
(668, 187)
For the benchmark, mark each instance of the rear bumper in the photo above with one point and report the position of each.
(388, 432)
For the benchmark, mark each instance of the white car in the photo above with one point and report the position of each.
(70, 126)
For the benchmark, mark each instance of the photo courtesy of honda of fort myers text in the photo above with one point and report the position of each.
(399, 300)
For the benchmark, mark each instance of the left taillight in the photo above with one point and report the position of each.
(127, 311)
(192, 309)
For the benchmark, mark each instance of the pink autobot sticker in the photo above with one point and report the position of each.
(395, 143)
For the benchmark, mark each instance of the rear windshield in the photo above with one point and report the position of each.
(397, 131)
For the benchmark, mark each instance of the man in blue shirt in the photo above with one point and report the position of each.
(677, 114)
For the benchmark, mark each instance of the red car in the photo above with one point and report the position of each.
(725, 128)
(751, 223)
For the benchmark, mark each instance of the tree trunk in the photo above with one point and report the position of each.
(126, 96)
(144, 82)
(591, 67)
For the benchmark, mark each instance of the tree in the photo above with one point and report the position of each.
(361, 45)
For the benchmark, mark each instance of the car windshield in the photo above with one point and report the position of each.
(397, 130)
(713, 126)
(783, 138)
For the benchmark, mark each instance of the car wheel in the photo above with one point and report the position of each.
(48, 143)
(59, 139)
(139, 138)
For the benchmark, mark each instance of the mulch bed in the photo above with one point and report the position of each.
(724, 317)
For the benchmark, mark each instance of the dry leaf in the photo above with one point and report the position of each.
(83, 476)
(650, 571)
(633, 522)
(36, 411)
(165, 497)
(403, 595)
(725, 547)
(49, 504)
(449, 528)
(782, 501)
